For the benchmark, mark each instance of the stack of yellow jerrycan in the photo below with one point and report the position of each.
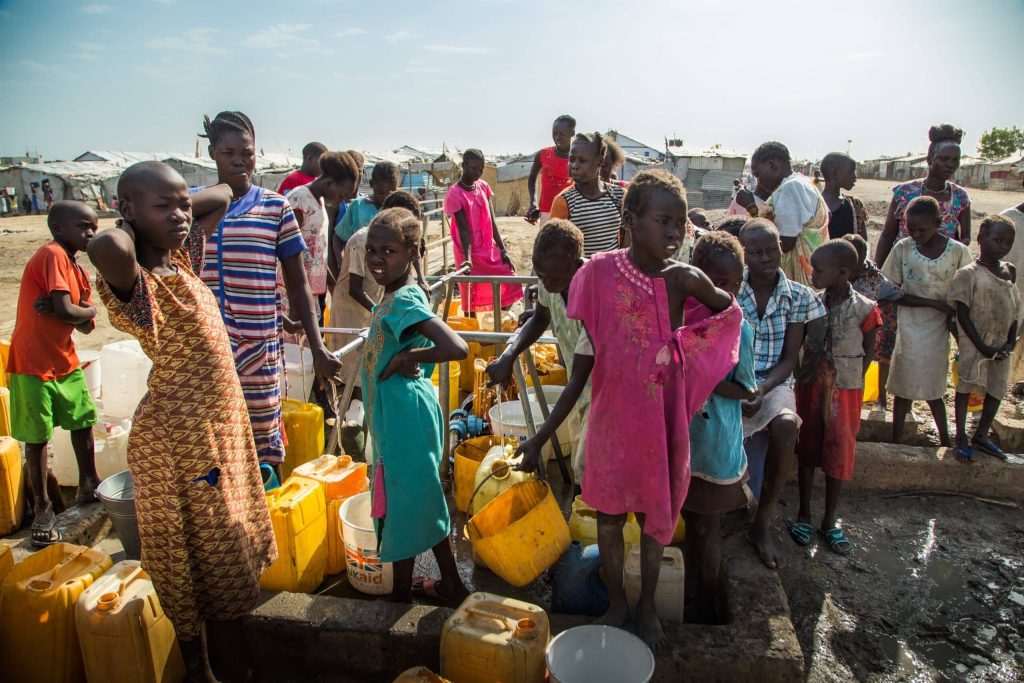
(340, 478)
(38, 638)
(304, 427)
(492, 638)
(124, 634)
(12, 489)
(298, 513)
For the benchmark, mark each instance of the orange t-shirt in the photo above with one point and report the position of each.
(41, 345)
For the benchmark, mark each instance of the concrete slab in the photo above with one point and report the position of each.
(323, 638)
(79, 524)
(891, 467)
(1009, 433)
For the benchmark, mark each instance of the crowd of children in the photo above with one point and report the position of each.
(701, 372)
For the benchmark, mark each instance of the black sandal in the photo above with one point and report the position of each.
(46, 533)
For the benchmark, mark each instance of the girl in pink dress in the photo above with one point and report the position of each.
(475, 232)
(653, 367)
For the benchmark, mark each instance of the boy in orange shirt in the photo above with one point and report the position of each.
(47, 384)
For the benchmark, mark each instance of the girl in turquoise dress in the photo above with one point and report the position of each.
(406, 339)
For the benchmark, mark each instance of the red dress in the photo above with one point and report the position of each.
(554, 177)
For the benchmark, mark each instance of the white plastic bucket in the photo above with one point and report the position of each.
(366, 572)
(585, 654)
(89, 361)
(110, 435)
(124, 370)
(298, 372)
(507, 420)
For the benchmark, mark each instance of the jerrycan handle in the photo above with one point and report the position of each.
(45, 581)
(491, 616)
(128, 579)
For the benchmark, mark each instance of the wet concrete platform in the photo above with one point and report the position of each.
(296, 637)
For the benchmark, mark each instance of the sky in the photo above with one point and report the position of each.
(139, 75)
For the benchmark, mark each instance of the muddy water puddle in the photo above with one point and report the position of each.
(932, 591)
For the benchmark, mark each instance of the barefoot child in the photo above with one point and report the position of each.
(405, 421)
(830, 387)
(923, 266)
(651, 374)
(47, 385)
(557, 256)
(475, 237)
(552, 165)
(206, 535)
(717, 459)
(778, 309)
(988, 313)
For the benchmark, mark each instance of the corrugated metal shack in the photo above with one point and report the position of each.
(708, 175)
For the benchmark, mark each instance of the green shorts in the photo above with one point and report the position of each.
(38, 406)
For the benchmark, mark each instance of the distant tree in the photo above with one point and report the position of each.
(1000, 142)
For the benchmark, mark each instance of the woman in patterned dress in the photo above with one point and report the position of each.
(203, 521)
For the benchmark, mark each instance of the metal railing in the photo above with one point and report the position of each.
(441, 289)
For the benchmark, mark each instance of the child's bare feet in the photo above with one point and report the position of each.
(761, 539)
(617, 614)
(649, 627)
(87, 490)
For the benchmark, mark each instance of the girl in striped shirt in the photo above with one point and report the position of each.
(594, 206)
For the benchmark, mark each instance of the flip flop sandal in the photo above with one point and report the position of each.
(837, 541)
(429, 589)
(46, 533)
(801, 532)
(964, 455)
(989, 448)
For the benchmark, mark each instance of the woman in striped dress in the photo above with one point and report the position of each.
(242, 256)
(593, 206)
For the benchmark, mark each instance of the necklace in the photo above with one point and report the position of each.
(464, 186)
(924, 186)
(981, 262)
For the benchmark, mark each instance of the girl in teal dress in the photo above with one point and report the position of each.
(405, 340)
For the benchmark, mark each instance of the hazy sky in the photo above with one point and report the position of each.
(138, 75)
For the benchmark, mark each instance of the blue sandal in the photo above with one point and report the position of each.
(986, 446)
(965, 455)
(837, 541)
(801, 532)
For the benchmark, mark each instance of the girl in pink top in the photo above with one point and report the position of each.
(475, 232)
(653, 367)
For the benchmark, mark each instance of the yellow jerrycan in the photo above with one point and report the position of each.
(38, 638)
(12, 489)
(304, 427)
(298, 513)
(124, 634)
(340, 478)
(5, 410)
(492, 638)
(494, 474)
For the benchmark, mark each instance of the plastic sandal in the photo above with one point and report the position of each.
(837, 541)
(965, 455)
(801, 532)
(989, 448)
(46, 533)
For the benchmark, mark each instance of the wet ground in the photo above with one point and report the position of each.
(932, 591)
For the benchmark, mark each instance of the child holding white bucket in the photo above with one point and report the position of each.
(651, 373)
(405, 421)
(202, 516)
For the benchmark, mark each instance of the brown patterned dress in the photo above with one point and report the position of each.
(206, 538)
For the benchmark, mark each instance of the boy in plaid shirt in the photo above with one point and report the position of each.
(779, 310)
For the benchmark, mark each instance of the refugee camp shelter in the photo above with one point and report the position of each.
(94, 182)
(707, 175)
(635, 148)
